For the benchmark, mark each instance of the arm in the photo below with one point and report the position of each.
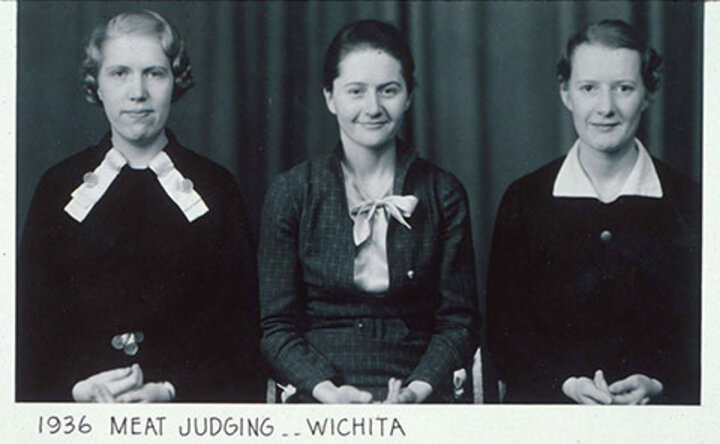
(42, 372)
(281, 290)
(454, 339)
(511, 271)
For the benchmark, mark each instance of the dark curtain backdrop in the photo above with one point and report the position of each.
(487, 107)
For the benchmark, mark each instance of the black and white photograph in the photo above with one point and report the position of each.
(494, 209)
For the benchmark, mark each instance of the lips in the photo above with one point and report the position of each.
(137, 113)
(374, 125)
(605, 126)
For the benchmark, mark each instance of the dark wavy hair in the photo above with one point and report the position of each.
(614, 34)
(140, 22)
(368, 34)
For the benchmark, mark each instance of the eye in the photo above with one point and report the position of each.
(117, 73)
(390, 91)
(355, 91)
(587, 88)
(626, 88)
(157, 73)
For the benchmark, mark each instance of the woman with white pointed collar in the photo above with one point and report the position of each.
(593, 288)
(136, 277)
(367, 282)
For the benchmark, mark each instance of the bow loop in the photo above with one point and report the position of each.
(363, 214)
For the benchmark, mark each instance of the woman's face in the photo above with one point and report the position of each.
(369, 98)
(135, 84)
(606, 96)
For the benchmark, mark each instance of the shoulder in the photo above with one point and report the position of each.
(675, 182)
(536, 185)
(69, 172)
(304, 176)
(422, 171)
(679, 190)
(197, 167)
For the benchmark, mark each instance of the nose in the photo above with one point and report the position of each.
(138, 89)
(606, 103)
(372, 105)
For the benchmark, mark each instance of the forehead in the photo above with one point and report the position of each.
(368, 64)
(598, 62)
(133, 49)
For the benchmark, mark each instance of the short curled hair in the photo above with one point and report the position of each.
(368, 34)
(614, 34)
(137, 22)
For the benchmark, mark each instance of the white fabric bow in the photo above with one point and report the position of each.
(363, 214)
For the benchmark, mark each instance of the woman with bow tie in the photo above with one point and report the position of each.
(367, 281)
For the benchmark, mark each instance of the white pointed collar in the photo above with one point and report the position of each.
(96, 183)
(572, 181)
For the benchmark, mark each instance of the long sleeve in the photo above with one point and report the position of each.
(41, 369)
(281, 291)
(456, 317)
(224, 334)
(507, 276)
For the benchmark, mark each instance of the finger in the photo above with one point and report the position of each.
(110, 375)
(600, 381)
(137, 395)
(393, 390)
(407, 396)
(568, 387)
(645, 400)
(624, 385)
(585, 389)
(360, 397)
(101, 394)
(628, 398)
(131, 382)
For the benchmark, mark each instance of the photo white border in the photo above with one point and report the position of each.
(478, 424)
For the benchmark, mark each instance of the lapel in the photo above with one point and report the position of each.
(337, 213)
(399, 238)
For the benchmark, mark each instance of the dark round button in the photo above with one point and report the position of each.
(606, 236)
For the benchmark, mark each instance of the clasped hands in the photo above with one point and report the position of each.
(122, 385)
(636, 389)
(415, 392)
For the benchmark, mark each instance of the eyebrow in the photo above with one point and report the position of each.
(382, 85)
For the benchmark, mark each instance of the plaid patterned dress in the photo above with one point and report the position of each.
(318, 325)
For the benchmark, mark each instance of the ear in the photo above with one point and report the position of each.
(98, 92)
(329, 100)
(565, 96)
(409, 100)
(647, 100)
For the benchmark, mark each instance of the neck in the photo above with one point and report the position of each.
(139, 155)
(368, 163)
(608, 171)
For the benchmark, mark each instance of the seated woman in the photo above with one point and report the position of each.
(136, 278)
(367, 286)
(593, 287)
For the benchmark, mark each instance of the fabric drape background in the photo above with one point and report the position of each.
(487, 106)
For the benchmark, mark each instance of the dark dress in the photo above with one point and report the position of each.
(576, 285)
(135, 264)
(317, 324)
